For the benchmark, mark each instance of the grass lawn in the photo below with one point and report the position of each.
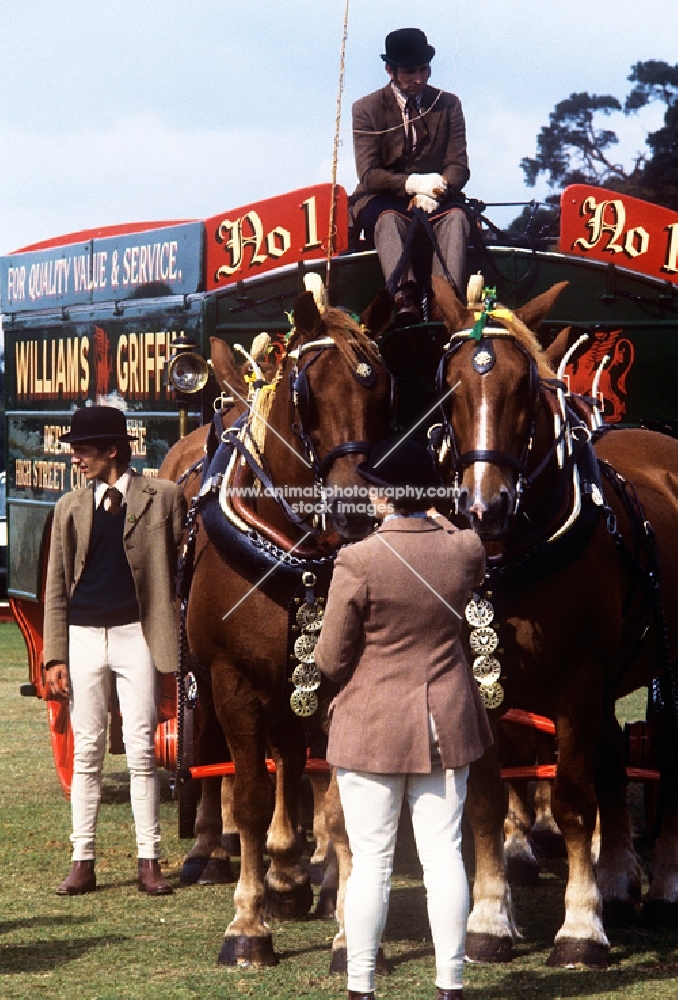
(118, 943)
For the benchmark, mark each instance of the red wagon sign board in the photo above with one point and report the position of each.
(608, 226)
(268, 234)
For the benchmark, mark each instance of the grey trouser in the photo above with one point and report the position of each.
(451, 230)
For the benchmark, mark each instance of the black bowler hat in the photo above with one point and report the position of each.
(95, 423)
(399, 462)
(408, 47)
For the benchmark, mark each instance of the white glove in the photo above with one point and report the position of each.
(423, 201)
(432, 185)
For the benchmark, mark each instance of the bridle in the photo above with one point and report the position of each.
(442, 437)
(301, 395)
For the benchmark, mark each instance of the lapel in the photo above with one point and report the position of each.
(83, 514)
(140, 495)
(434, 117)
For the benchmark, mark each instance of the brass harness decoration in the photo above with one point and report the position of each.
(484, 641)
(307, 624)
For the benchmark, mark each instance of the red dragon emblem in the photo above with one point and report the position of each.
(612, 384)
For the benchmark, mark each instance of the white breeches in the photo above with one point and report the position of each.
(94, 655)
(372, 804)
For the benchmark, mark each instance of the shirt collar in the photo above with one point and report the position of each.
(402, 99)
(121, 484)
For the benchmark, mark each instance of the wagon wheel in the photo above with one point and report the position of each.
(61, 735)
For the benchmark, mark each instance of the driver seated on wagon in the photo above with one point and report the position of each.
(410, 151)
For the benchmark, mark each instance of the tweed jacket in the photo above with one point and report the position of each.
(380, 159)
(154, 515)
(391, 636)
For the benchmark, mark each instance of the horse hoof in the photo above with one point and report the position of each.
(231, 844)
(326, 907)
(217, 871)
(316, 872)
(487, 948)
(548, 844)
(521, 872)
(571, 951)
(659, 913)
(192, 870)
(290, 905)
(618, 914)
(243, 950)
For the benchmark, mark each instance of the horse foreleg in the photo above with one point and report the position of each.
(618, 873)
(491, 928)
(581, 940)
(522, 866)
(289, 895)
(207, 863)
(319, 781)
(230, 838)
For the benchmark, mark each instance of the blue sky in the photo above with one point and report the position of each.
(129, 110)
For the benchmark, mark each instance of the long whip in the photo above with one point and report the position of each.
(335, 155)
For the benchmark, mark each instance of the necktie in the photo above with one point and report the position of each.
(416, 126)
(112, 501)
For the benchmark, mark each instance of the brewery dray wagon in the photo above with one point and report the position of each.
(124, 316)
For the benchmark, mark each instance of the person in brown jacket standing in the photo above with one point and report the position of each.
(410, 151)
(409, 719)
(109, 613)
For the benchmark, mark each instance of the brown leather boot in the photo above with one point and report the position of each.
(151, 880)
(81, 879)
(352, 995)
(449, 994)
(407, 301)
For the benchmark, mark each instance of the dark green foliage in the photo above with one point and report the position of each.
(571, 149)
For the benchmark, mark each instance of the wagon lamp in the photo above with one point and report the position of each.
(187, 373)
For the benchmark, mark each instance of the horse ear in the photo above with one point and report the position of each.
(378, 315)
(306, 315)
(223, 362)
(456, 315)
(555, 352)
(533, 312)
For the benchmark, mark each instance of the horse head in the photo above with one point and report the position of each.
(489, 385)
(339, 402)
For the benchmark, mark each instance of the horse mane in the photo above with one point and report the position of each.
(527, 340)
(353, 343)
(352, 340)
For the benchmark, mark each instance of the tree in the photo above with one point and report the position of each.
(572, 149)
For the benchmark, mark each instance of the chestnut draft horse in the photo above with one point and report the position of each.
(582, 613)
(329, 402)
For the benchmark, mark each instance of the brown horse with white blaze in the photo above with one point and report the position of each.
(581, 621)
(329, 403)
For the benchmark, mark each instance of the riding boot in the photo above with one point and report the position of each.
(81, 879)
(449, 994)
(151, 880)
(407, 305)
(352, 995)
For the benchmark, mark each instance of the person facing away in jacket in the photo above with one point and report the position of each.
(410, 152)
(109, 613)
(408, 719)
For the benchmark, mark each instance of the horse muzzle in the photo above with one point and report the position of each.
(488, 516)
